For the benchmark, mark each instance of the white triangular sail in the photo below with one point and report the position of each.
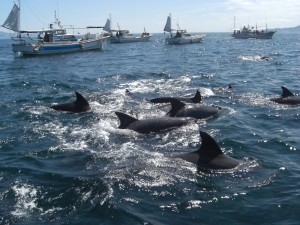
(13, 20)
(168, 26)
(107, 26)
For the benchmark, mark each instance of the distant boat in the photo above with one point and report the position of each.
(48, 41)
(247, 32)
(181, 36)
(251, 32)
(124, 36)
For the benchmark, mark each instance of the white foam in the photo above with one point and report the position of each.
(26, 197)
(252, 58)
(206, 91)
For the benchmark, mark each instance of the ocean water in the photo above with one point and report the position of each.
(58, 168)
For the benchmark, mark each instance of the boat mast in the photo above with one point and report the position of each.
(19, 19)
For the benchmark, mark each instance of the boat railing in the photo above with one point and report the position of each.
(25, 40)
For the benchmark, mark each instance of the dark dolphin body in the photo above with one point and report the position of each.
(209, 155)
(80, 105)
(196, 99)
(287, 98)
(146, 126)
(180, 109)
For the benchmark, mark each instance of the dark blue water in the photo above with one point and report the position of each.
(57, 168)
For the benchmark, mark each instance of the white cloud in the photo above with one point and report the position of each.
(240, 5)
(276, 13)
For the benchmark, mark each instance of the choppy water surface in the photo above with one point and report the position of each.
(58, 168)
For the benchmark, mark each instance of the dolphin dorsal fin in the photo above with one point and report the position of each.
(125, 120)
(286, 92)
(209, 146)
(80, 99)
(176, 106)
(197, 98)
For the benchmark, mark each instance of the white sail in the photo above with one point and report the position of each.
(13, 20)
(107, 26)
(168, 27)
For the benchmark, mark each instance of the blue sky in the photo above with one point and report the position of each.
(193, 15)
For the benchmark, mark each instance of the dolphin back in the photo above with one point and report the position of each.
(287, 98)
(80, 99)
(197, 98)
(161, 100)
(176, 106)
(68, 107)
(209, 145)
(125, 120)
(210, 155)
(80, 105)
(286, 92)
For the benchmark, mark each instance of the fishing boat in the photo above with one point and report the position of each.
(124, 36)
(251, 32)
(180, 36)
(48, 41)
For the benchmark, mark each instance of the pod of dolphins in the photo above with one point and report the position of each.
(183, 111)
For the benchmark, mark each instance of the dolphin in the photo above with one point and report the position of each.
(196, 99)
(180, 109)
(146, 126)
(209, 155)
(267, 58)
(287, 98)
(80, 105)
(127, 92)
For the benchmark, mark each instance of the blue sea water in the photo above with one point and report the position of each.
(58, 168)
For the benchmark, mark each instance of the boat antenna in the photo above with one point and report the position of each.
(234, 23)
(266, 20)
(57, 21)
(57, 13)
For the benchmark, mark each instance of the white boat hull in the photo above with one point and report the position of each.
(185, 40)
(44, 48)
(265, 35)
(114, 39)
(91, 44)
